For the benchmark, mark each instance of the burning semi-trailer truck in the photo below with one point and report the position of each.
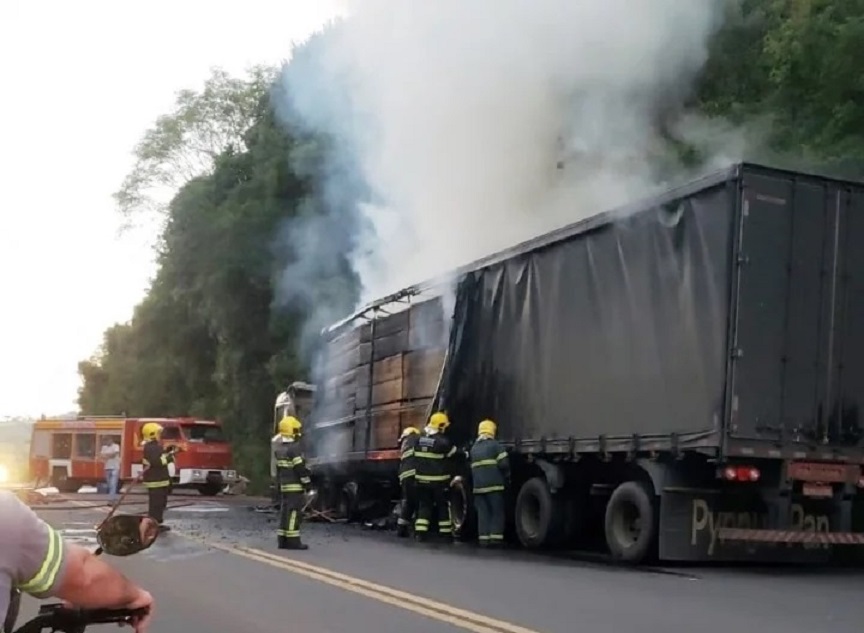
(681, 378)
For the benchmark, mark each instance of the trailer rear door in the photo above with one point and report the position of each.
(798, 351)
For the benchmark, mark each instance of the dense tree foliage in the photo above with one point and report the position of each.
(215, 336)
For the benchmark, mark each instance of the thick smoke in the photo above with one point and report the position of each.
(477, 124)
(480, 123)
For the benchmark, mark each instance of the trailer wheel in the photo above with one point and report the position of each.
(538, 515)
(461, 510)
(631, 522)
(348, 498)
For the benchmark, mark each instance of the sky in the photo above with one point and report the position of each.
(82, 81)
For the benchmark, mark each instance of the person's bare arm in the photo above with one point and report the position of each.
(43, 565)
(91, 583)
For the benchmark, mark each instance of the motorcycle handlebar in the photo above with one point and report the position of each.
(57, 617)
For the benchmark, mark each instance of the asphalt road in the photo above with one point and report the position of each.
(221, 572)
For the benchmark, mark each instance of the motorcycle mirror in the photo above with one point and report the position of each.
(127, 534)
(12, 611)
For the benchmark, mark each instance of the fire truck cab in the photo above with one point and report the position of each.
(65, 452)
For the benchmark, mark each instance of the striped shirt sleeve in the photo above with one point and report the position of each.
(32, 551)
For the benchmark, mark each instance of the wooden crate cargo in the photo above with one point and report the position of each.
(385, 346)
(426, 326)
(386, 427)
(382, 393)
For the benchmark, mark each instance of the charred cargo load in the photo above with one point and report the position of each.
(683, 377)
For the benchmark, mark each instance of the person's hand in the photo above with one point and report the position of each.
(143, 601)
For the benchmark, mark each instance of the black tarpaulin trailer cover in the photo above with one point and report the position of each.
(615, 330)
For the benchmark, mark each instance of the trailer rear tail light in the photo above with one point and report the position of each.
(741, 473)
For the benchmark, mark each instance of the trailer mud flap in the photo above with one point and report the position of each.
(691, 524)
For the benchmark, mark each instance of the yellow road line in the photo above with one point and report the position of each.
(430, 609)
(461, 618)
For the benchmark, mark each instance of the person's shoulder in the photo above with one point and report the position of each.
(13, 511)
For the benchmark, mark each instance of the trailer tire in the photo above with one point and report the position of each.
(348, 501)
(539, 517)
(630, 523)
(461, 510)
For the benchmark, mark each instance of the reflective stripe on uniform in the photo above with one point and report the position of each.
(484, 462)
(291, 488)
(501, 455)
(44, 579)
(156, 484)
(429, 455)
(165, 459)
(480, 491)
(283, 463)
(431, 478)
(406, 474)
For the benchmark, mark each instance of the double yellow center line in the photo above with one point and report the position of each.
(440, 611)
(461, 618)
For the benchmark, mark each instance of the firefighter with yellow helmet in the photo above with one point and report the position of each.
(434, 471)
(490, 471)
(407, 473)
(293, 479)
(156, 477)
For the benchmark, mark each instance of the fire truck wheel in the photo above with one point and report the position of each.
(210, 490)
(60, 481)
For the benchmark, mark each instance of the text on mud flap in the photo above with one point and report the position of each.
(705, 520)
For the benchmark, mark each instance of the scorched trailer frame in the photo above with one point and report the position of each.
(670, 360)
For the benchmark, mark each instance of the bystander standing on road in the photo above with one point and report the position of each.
(111, 457)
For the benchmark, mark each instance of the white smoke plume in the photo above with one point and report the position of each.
(481, 123)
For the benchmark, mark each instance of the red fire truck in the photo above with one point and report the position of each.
(65, 452)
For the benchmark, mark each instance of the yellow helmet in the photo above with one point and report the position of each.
(408, 430)
(151, 431)
(290, 426)
(487, 427)
(439, 421)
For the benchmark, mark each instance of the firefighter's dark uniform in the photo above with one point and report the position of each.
(490, 470)
(293, 479)
(156, 478)
(408, 483)
(434, 465)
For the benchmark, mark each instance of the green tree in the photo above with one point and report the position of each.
(188, 141)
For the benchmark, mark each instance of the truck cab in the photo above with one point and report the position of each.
(205, 461)
(297, 400)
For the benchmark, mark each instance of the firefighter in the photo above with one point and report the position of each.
(490, 472)
(294, 479)
(433, 462)
(156, 478)
(407, 471)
